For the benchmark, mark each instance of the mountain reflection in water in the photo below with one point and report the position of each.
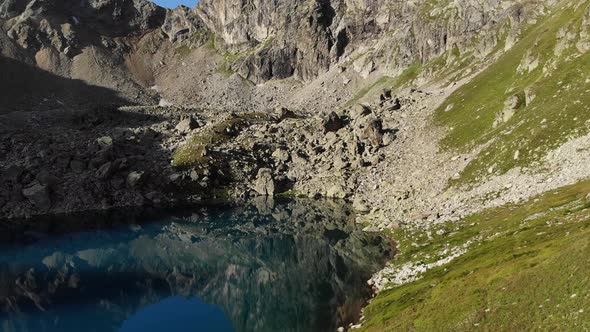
(290, 266)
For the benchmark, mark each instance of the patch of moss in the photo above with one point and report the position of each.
(183, 50)
(230, 58)
(408, 75)
(194, 151)
(225, 69)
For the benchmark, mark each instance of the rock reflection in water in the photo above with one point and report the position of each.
(290, 266)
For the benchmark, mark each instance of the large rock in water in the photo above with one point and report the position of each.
(265, 184)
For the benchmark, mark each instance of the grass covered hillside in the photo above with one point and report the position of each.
(531, 100)
(517, 268)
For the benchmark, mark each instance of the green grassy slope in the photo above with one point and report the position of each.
(529, 269)
(557, 73)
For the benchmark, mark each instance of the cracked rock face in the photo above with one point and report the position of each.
(305, 38)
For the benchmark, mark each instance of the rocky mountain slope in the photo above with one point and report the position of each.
(420, 113)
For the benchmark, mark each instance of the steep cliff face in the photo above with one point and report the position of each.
(274, 39)
(303, 38)
(263, 39)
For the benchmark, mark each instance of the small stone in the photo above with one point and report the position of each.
(105, 142)
(336, 191)
(47, 179)
(194, 175)
(393, 106)
(284, 113)
(153, 196)
(13, 173)
(360, 205)
(388, 138)
(281, 155)
(105, 171)
(374, 132)
(359, 111)
(340, 163)
(133, 178)
(385, 95)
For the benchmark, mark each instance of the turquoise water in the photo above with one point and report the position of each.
(290, 266)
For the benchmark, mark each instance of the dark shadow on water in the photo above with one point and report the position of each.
(286, 266)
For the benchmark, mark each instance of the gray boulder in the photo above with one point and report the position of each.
(105, 171)
(187, 125)
(134, 178)
(105, 142)
(38, 194)
(47, 179)
(78, 166)
(264, 184)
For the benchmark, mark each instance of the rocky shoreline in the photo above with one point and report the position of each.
(132, 156)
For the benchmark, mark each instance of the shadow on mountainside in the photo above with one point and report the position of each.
(67, 146)
(27, 88)
(59, 161)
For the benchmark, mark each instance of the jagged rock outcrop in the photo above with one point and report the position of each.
(277, 40)
(304, 38)
(86, 40)
(182, 22)
(261, 40)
